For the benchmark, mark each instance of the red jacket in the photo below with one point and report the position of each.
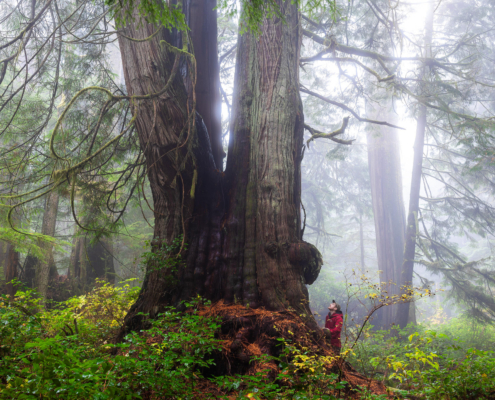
(334, 323)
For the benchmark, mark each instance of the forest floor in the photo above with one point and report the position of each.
(209, 351)
(255, 342)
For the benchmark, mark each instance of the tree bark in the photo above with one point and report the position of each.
(242, 228)
(388, 204)
(404, 313)
(263, 170)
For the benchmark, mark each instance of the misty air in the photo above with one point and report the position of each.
(233, 199)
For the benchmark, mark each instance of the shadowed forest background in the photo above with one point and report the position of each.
(185, 186)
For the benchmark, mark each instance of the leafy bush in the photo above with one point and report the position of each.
(51, 355)
(64, 353)
(429, 364)
(302, 376)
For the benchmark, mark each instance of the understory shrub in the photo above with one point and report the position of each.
(66, 353)
(428, 363)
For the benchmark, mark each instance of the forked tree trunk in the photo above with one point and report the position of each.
(242, 230)
(412, 217)
(388, 204)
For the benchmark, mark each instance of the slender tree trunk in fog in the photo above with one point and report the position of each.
(361, 243)
(412, 217)
(74, 256)
(3, 258)
(11, 262)
(388, 204)
(242, 228)
(10, 268)
(46, 270)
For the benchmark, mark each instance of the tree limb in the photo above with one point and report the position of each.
(315, 134)
(344, 107)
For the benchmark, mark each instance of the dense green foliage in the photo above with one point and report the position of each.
(66, 353)
(451, 361)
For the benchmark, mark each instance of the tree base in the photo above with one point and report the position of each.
(248, 334)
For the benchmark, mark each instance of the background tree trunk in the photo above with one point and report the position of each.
(10, 268)
(3, 259)
(361, 243)
(412, 216)
(46, 270)
(388, 204)
(91, 261)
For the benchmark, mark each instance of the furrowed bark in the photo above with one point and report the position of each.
(263, 171)
(166, 136)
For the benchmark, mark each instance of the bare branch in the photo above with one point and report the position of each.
(344, 107)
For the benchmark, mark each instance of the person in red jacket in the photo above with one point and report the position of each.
(333, 325)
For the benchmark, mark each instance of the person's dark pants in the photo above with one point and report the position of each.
(336, 350)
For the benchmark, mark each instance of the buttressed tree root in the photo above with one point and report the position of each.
(248, 334)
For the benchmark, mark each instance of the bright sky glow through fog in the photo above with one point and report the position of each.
(413, 25)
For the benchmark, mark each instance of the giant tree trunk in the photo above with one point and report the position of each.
(388, 205)
(412, 217)
(266, 258)
(242, 230)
